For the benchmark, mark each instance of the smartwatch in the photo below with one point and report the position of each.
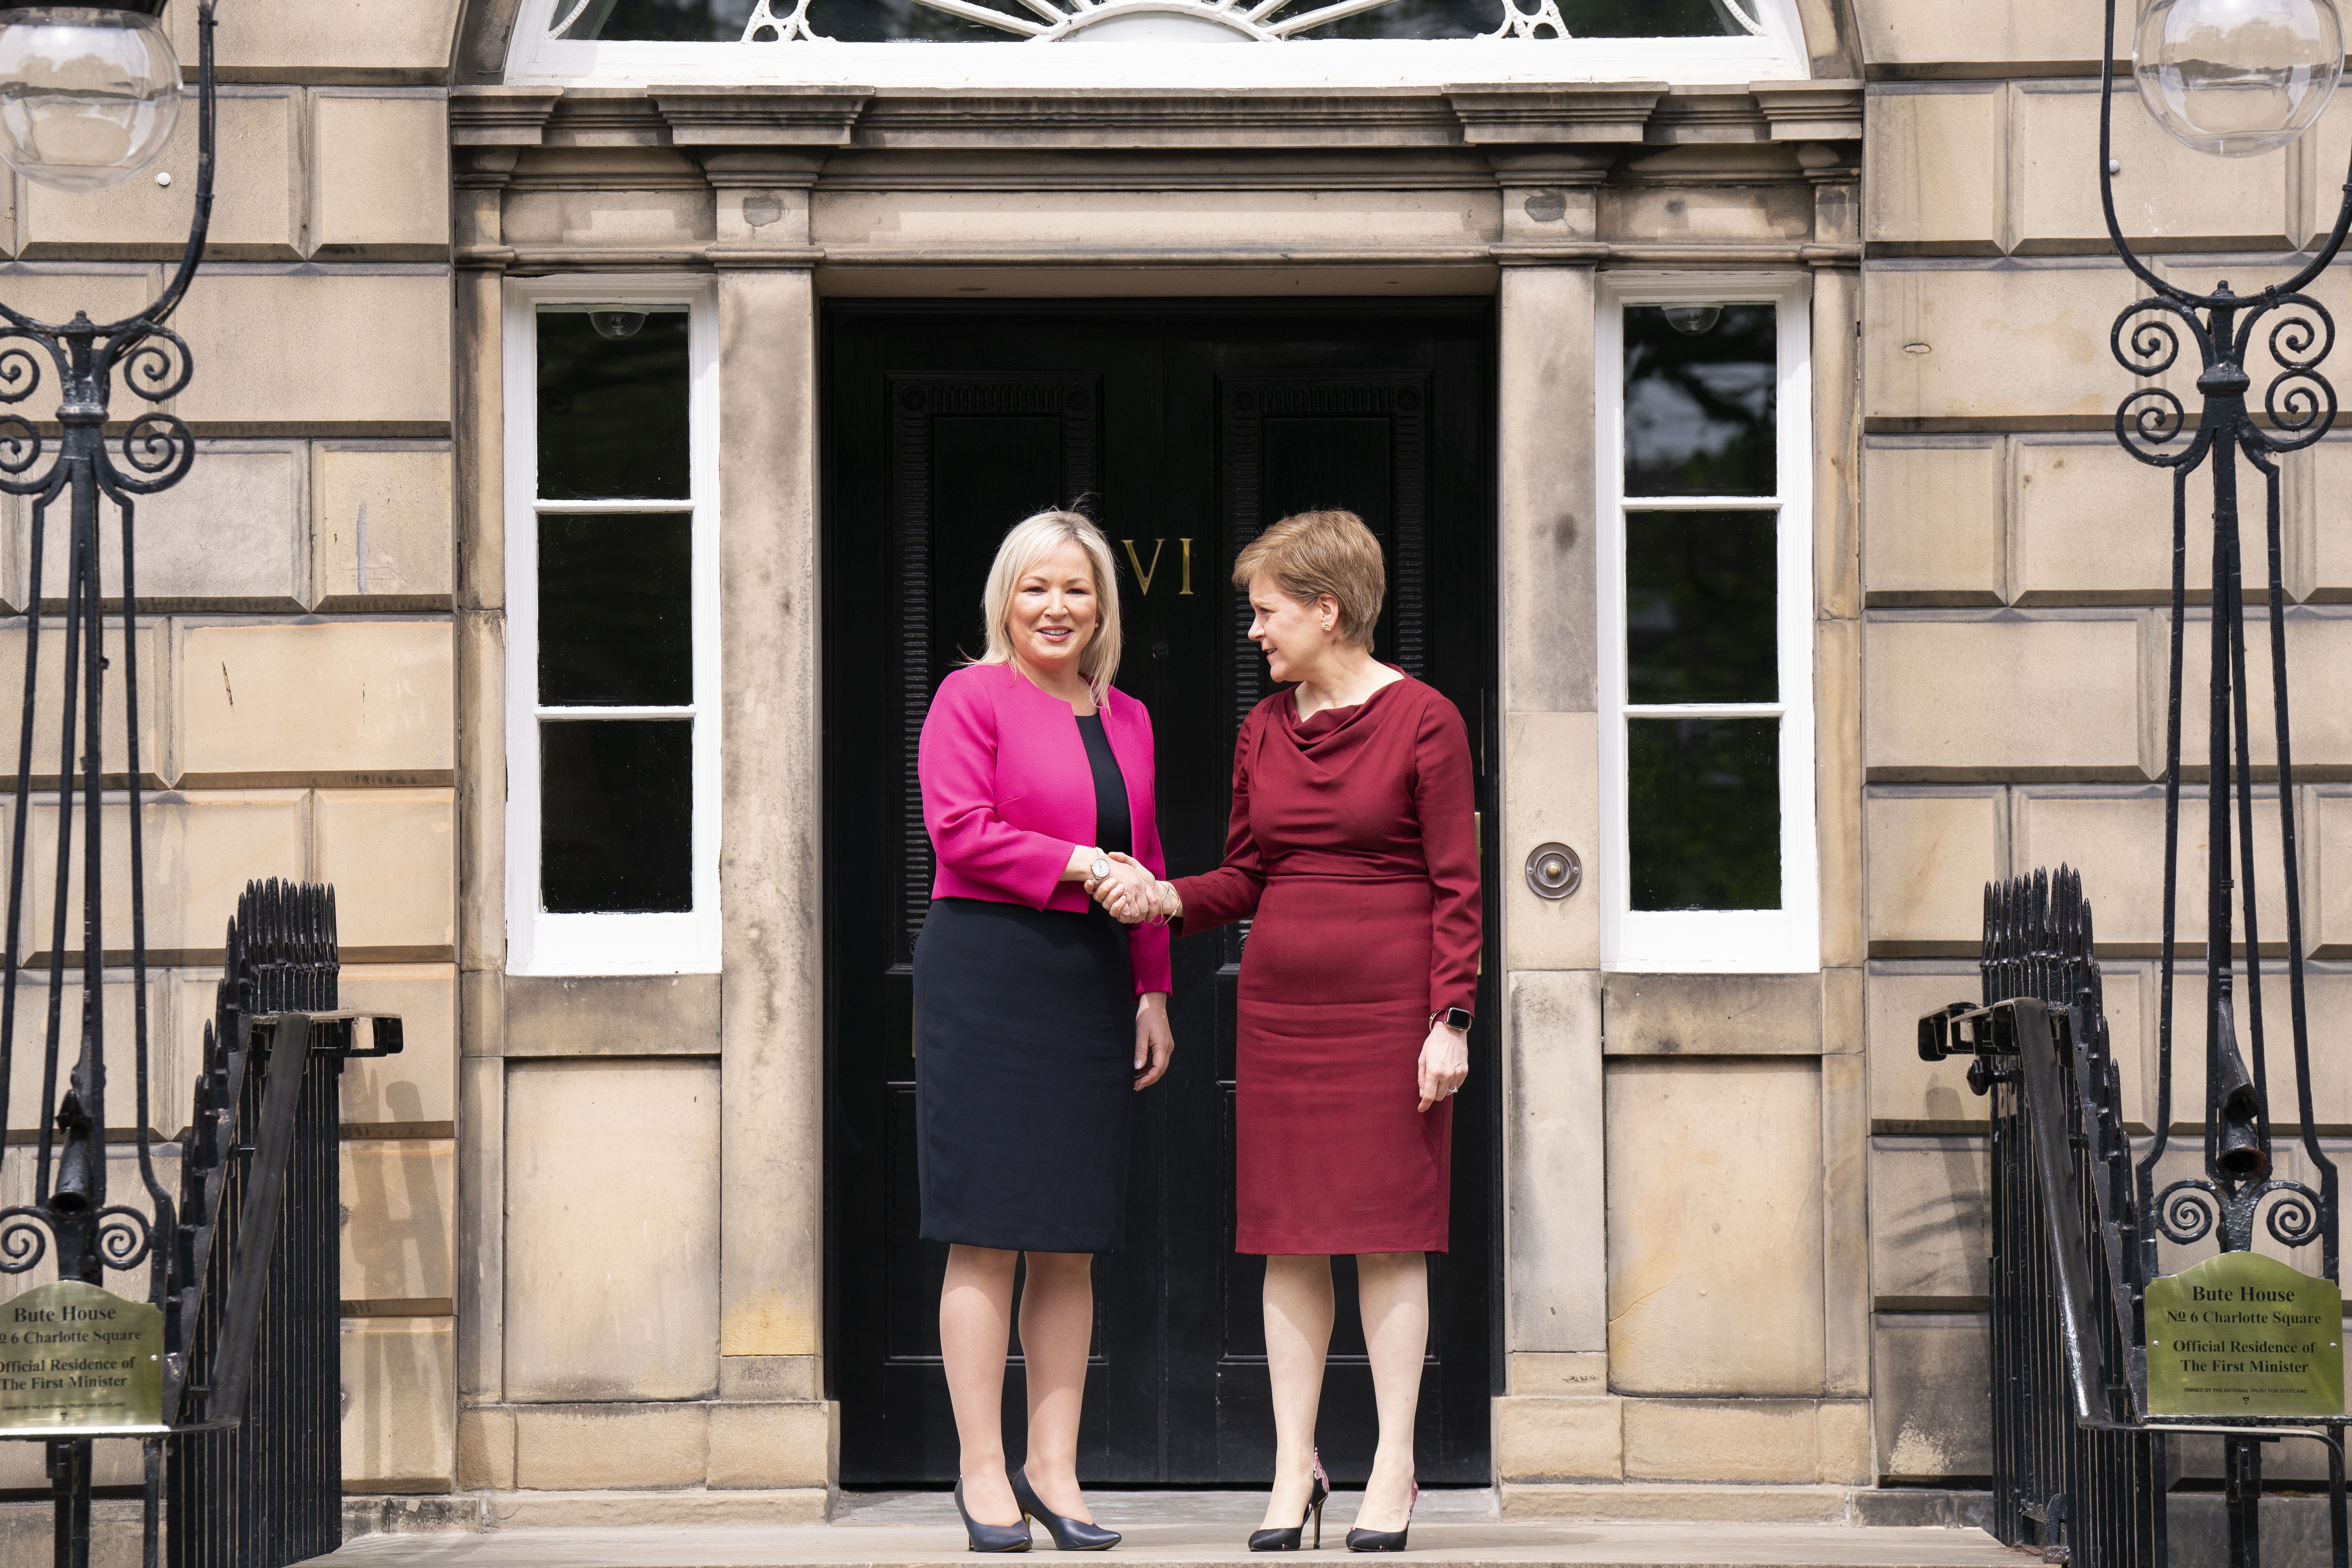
(1453, 1018)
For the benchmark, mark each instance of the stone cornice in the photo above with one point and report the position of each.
(1472, 116)
(1552, 116)
(501, 116)
(767, 117)
(1811, 111)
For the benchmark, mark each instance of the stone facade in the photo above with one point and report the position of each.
(1743, 1229)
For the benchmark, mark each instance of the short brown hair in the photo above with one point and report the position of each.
(1318, 552)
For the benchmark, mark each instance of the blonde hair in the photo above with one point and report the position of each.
(1031, 540)
(1318, 552)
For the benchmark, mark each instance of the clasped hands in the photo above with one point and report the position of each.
(1131, 893)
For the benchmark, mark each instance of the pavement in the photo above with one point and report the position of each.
(1182, 1529)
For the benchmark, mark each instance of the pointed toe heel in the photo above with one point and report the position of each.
(990, 1537)
(1069, 1534)
(1386, 1539)
(1288, 1539)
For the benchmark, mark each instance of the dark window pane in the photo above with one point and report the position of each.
(616, 609)
(1411, 19)
(613, 410)
(890, 21)
(1699, 400)
(617, 815)
(667, 21)
(1653, 18)
(1699, 598)
(1705, 798)
(1476, 18)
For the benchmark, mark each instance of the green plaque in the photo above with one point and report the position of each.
(2242, 1334)
(74, 1355)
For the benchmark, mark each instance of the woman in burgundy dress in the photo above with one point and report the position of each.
(1354, 845)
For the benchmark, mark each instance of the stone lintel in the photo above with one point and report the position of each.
(1616, 114)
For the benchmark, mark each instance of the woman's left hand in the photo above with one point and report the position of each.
(1154, 1044)
(1444, 1063)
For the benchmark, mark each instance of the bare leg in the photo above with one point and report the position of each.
(1297, 1336)
(1395, 1289)
(975, 1326)
(1058, 1324)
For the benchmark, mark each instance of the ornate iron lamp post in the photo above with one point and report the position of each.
(89, 97)
(2233, 78)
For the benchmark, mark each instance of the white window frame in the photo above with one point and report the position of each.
(1766, 941)
(539, 943)
(1777, 55)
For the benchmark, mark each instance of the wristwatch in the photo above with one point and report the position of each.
(1099, 868)
(1453, 1018)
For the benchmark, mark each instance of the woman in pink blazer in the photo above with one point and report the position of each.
(1037, 1017)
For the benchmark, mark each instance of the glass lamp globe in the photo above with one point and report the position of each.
(88, 96)
(2237, 77)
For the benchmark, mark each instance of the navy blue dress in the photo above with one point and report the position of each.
(1024, 1061)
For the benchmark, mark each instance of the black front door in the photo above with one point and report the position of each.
(1187, 430)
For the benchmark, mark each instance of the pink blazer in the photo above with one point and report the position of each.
(1008, 793)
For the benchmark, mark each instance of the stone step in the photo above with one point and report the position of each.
(1195, 1545)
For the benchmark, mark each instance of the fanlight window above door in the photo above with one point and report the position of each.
(1144, 21)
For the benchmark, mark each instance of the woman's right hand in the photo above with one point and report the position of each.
(1127, 892)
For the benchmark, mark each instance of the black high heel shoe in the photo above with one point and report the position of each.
(1287, 1540)
(1069, 1534)
(1385, 1539)
(991, 1537)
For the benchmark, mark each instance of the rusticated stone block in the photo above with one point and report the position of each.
(1933, 519)
(2094, 526)
(390, 855)
(284, 704)
(379, 169)
(1931, 853)
(279, 345)
(257, 209)
(400, 1197)
(419, 1085)
(1932, 164)
(2165, 193)
(400, 1404)
(1991, 340)
(1929, 1233)
(309, 35)
(2117, 840)
(383, 523)
(201, 851)
(2006, 697)
(1934, 1396)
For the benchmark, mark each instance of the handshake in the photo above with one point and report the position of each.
(1133, 895)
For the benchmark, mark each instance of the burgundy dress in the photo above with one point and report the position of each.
(1354, 845)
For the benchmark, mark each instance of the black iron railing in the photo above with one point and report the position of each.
(261, 1325)
(2078, 1463)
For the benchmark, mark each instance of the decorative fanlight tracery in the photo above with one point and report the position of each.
(1051, 21)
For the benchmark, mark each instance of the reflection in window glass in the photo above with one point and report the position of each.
(616, 610)
(613, 405)
(1585, 19)
(892, 21)
(617, 815)
(1699, 606)
(1699, 386)
(722, 21)
(1704, 799)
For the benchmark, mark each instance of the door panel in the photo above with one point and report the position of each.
(1191, 429)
